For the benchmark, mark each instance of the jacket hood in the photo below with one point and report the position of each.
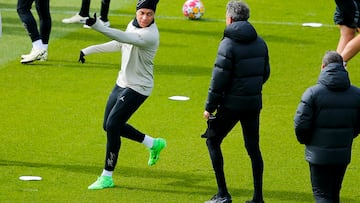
(334, 77)
(240, 31)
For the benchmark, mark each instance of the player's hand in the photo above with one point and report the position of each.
(81, 57)
(206, 115)
(91, 21)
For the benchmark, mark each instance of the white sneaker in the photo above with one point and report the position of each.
(75, 19)
(35, 54)
(106, 24)
(43, 57)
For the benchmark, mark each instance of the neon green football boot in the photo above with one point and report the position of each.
(159, 144)
(101, 183)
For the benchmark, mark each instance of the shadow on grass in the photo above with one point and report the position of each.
(285, 39)
(182, 182)
(189, 70)
(68, 63)
(93, 63)
(75, 64)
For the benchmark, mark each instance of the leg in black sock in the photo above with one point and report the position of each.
(85, 8)
(104, 11)
(24, 12)
(42, 8)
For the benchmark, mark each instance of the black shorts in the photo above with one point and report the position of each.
(347, 13)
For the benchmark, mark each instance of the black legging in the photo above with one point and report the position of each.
(104, 11)
(121, 105)
(225, 120)
(26, 16)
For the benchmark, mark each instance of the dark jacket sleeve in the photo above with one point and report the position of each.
(303, 121)
(267, 66)
(220, 80)
(357, 129)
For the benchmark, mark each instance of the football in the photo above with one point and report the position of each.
(193, 9)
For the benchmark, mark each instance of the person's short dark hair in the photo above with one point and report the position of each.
(332, 57)
(237, 10)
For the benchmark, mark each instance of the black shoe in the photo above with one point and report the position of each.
(253, 201)
(218, 199)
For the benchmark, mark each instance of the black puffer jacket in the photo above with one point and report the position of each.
(241, 68)
(328, 117)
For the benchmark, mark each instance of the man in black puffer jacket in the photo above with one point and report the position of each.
(326, 121)
(241, 68)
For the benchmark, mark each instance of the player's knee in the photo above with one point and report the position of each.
(20, 11)
(113, 126)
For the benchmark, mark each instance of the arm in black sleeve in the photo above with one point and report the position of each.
(221, 76)
(303, 121)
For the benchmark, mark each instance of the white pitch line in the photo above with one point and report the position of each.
(183, 18)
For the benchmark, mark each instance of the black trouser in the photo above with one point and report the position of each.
(122, 103)
(326, 182)
(26, 16)
(225, 120)
(104, 11)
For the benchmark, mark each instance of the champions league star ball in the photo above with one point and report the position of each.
(193, 9)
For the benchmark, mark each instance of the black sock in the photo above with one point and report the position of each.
(85, 8)
(104, 11)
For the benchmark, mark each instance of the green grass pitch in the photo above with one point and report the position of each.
(51, 112)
